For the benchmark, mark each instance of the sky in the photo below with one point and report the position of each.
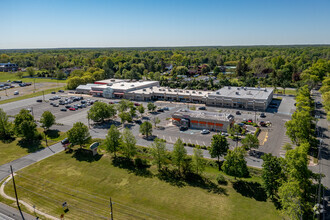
(162, 23)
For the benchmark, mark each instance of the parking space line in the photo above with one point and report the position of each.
(170, 138)
(204, 143)
(189, 141)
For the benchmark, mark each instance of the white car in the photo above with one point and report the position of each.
(16, 93)
(205, 131)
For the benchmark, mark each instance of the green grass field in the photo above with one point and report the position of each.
(47, 91)
(4, 76)
(86, 185)
(287, 91)
(16, 149)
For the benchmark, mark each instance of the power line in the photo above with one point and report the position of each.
(94, 195)
(60, 202)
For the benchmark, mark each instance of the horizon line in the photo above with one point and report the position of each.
(141, 47)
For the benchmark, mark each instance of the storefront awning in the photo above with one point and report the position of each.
(118, 93)
(95, 91)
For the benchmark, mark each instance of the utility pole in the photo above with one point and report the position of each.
(43, 95)
(34, 84)
(19, 208)
(111, 213)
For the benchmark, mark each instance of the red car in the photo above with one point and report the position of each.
(250, 120)
(72, 109)
(111, 103)
(137, 104)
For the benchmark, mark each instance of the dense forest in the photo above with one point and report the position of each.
(277, 66)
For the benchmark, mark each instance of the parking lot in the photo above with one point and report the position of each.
(271, 138)
(9, 93)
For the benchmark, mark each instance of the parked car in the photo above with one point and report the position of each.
(166, 108)
(52, 103)
(160, 110)
(39, 100)
(60, 91)
(262, 115)
(262, 123)
(250, 120)
(65, 141)
(55, 105)
(202, 108)
(182, 128)
(137, 104)
(72, 109)
(225, 134)
(238, 112)
(16, 93)
(63, 109)
(205, 131)
(68, 106)
(53, 92)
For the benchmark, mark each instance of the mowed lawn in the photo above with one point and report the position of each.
(86, 185)
(4, 76)
(15, 149)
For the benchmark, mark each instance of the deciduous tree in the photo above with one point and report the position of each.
(79, 134)
(198, 161)
(250, 141)
(219, 147)
(112, 140)
(129, 143)
(179, 154)
(158, 152)
(235, 164)
(47, 120)
(146, 129)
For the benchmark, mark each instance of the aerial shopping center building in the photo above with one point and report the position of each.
(230, 97)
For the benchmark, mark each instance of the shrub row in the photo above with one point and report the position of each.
(196, 146)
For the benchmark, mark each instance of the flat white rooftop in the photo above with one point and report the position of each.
(204, 115)
(109, 81)
(242, 92)
(132, 85)
(169, 91)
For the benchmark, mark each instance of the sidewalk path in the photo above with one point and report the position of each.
(10, 213)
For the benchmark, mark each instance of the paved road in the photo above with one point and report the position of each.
(7, 212)
(324, 157)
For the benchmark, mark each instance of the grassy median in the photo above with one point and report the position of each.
(16, 149)
(86, 184)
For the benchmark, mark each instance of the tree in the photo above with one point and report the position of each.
(74, 82)
(219, 147)
(250, 141)
(19, 74)
(123, 105)
(158, 152)
(112, 140)
(47, 120)
(179, 154)
(291, 199)
(5, 126)
(272, 174)
(30, 71)
(198, 161)
(125, 116)
(23, 115)
(141, 109)
(28, 130)
(101, 111)
(79, 134)
(146, 129)
(129, 143)
(132, 111)
(151, 106)
(299, 128)
(156, 121)
(235, 164)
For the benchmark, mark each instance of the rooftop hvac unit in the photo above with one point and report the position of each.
(144, 90)
(193, 92)
(237, 88)
(122, 85)
(249, 93)
(265, 90)
(132, 85)
(199, 92)
(218, 93)
(228, 87)
(187, 91)
(245, 88)
(237, 93)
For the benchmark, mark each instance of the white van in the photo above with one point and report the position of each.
(16, 93)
